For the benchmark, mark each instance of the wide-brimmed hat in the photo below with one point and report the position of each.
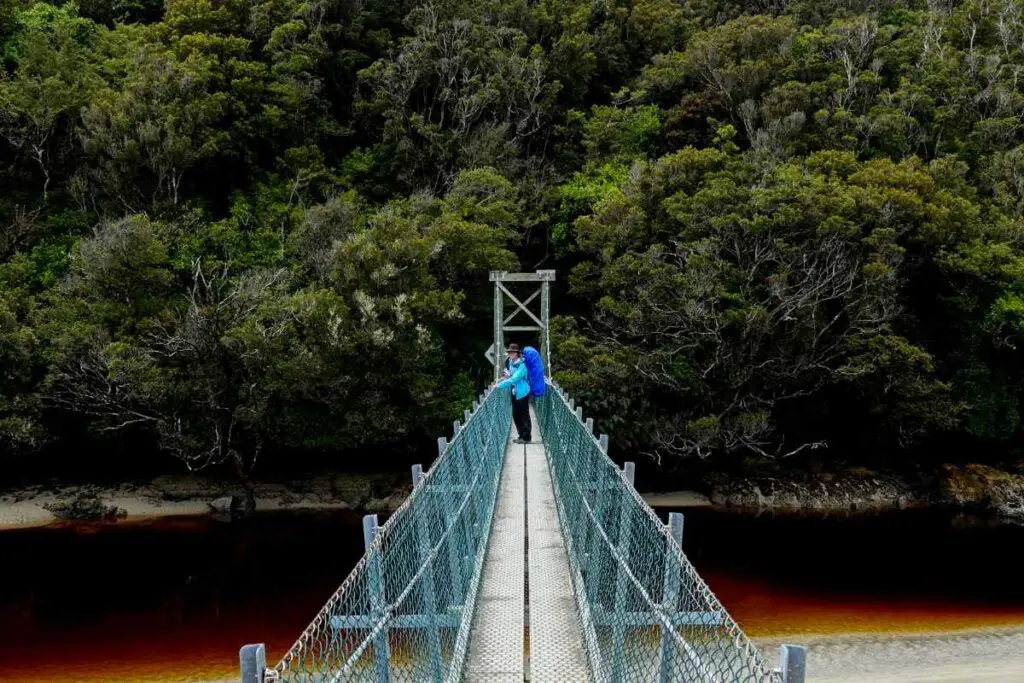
(513, 348)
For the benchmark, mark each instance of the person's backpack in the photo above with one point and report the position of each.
(534, 370)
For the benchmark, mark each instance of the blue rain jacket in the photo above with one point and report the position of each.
(518, 380)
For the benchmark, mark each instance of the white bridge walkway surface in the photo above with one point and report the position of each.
(526, 625)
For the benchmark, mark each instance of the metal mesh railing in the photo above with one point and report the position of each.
(646, 615)
(404, 612)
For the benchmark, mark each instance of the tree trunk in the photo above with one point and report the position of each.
(249, 504)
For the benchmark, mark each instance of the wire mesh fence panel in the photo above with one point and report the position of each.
(646, 614)
(404, 612)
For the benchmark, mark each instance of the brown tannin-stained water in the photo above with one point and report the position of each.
(909, 571)
(165, 600)
(174, 599)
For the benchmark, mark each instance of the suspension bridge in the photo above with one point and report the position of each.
(523, 562)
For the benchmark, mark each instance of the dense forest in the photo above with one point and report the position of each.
(235, 229)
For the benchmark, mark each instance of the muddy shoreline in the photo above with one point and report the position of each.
(971, 488)
(173, 495)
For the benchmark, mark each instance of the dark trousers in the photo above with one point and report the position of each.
(521, 416)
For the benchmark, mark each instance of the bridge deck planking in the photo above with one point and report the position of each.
(526, 509)
(557, 652)
(496, 644)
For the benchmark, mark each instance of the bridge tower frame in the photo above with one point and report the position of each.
(541, 323)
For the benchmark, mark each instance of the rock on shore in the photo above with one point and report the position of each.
(973, 488)
(850, 491)
(983, 487)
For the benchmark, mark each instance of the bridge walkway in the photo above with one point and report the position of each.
(526, 625)
(475, 579)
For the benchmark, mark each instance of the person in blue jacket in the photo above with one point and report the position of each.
(520, 383)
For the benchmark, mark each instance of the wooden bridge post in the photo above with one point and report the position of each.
(670, 594)
(253, 659)
(793, 661)
(538, 323)
(625, 539)
(378, 600)
(428, 590)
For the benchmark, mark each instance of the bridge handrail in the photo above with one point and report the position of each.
(404, 611)
(646, 614)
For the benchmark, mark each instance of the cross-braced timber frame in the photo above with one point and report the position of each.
(538, 322)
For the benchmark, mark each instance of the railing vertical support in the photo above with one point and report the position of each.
(473, 528)
(592, 538)
(499, 330)
(625, 539)
(455, 554)
(428, 591)
(591, 542)
(378, 600)
(629, 473)
(253, 659)
(545, 318)
(670, 597)
(793, 660)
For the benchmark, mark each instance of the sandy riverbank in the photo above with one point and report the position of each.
(677, 499)
(183, 495)
(976, 656)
